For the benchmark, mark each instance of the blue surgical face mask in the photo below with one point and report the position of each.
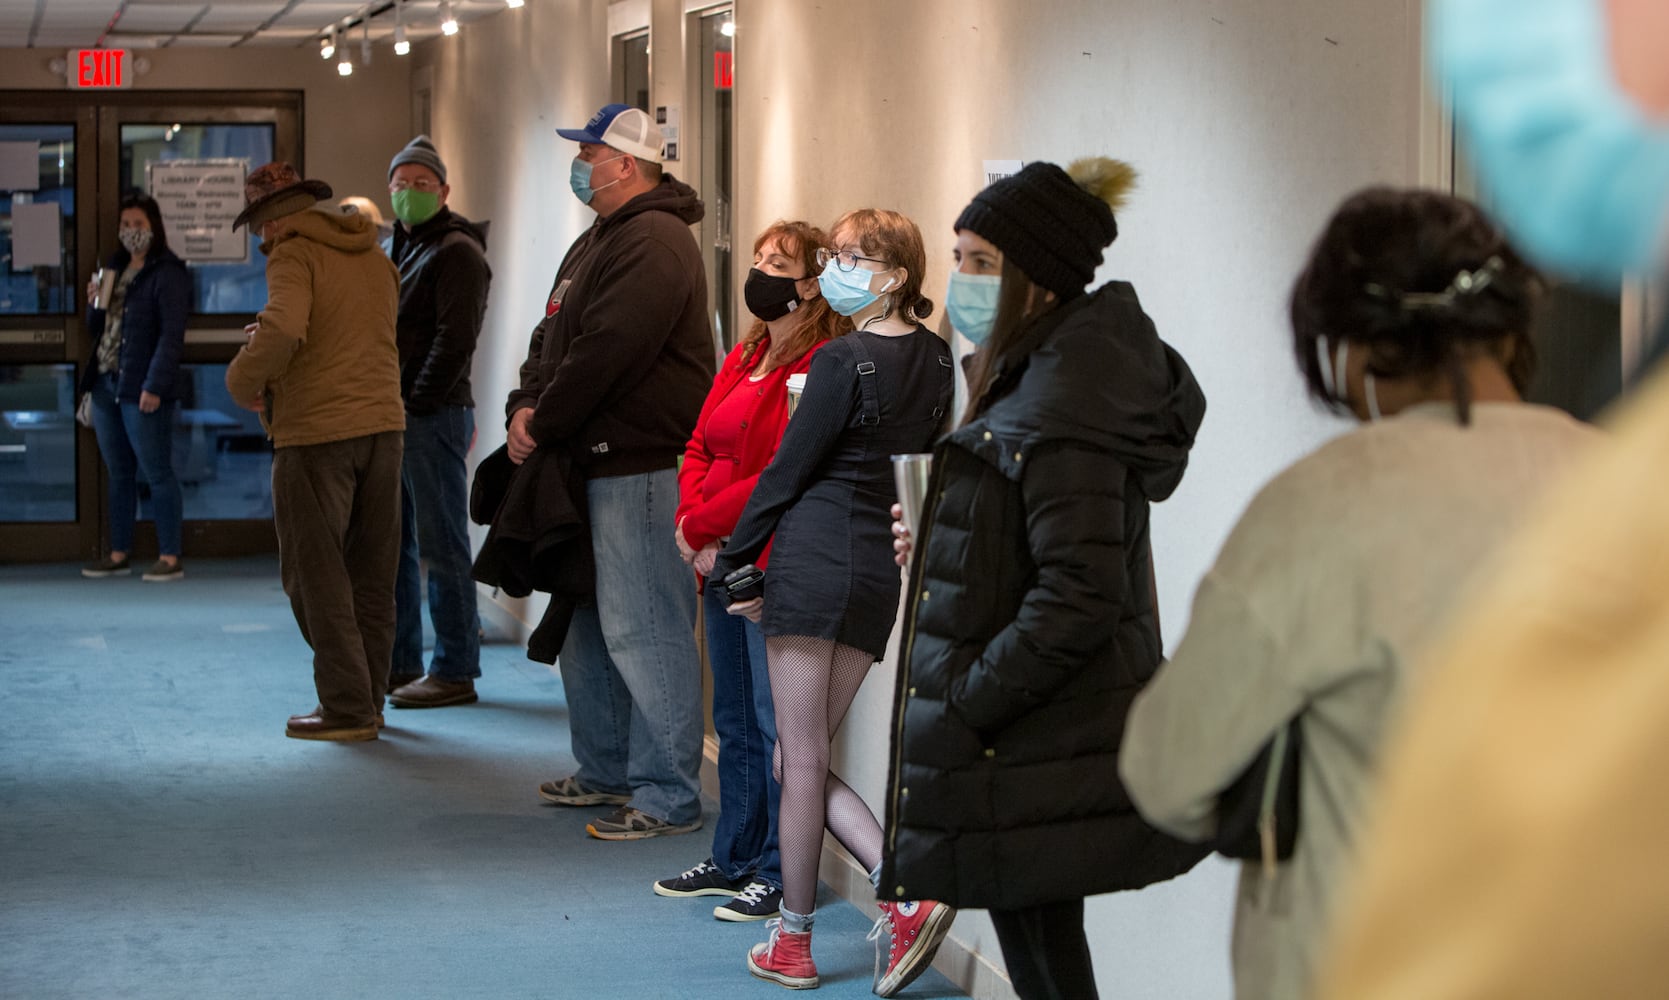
(579, 178)
(848, 291)
(1573, 168)
(971, 303)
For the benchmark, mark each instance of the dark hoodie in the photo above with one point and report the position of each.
(1032, 623)
(618, 369)
(443, 297)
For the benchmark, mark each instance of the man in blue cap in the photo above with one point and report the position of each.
(615, 376)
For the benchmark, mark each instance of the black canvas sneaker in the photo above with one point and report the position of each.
(756, 902)
(704, 879)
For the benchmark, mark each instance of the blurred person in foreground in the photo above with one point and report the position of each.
(1412, 316)
(1522, 799)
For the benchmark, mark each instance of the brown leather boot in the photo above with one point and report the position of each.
(314, 726)
(432, 692)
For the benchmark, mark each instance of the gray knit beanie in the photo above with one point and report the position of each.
(420, 151)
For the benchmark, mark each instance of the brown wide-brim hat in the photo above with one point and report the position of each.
(276, 190)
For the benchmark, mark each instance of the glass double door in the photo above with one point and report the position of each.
(66, 163)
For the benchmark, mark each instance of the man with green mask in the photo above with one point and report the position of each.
(443, 295)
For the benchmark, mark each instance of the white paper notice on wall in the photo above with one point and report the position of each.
(199, 200)
(996, 170)
(37, 235)
(20, 166)
(666, 116)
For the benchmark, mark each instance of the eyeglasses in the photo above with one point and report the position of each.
(846, 260)
(423, 184)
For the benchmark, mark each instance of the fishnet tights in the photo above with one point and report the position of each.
(813, 682)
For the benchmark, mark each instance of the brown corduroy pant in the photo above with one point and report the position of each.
(336, 507)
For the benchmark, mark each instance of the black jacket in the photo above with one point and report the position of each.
(153, 328)
(444, 279)
(1031, 624)
(618, 369)
(539, 539)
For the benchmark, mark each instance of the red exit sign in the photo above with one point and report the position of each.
(100, 69)
(724, 70)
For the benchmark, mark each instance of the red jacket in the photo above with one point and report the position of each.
(710, 518)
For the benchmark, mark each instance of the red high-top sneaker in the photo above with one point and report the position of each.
(785, 959)
(916, 929)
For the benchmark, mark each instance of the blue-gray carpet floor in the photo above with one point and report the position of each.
(160, 837)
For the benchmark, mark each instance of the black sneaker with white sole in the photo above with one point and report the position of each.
(705, 879)
(757, 901)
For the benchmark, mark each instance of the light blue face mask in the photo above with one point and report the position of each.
(848, 292)
(971, 303)
(1574, 169)
(579, 178)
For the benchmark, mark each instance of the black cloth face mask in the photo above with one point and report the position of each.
(769, 296)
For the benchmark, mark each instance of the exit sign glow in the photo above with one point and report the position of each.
(100, 69)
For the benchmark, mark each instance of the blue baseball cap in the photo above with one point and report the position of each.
(622, 127)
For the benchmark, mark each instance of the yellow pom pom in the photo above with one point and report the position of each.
(1107, 179)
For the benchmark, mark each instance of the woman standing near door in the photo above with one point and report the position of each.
(134, 379)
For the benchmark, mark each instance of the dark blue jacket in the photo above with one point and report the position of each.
(153, 328)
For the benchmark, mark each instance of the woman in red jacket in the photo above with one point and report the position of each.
(740, 426)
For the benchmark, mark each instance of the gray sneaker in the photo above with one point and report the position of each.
(627, 823)
(569, 792)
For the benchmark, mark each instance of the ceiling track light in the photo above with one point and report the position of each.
(514, 4)
(365, 42)
(448, 23)
(327, 46)
(401, 46)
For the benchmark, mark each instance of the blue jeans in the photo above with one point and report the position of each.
(745, 834)
(629, 665)
(138, 444)
(434, 523)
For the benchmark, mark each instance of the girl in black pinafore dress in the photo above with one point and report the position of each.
(831, 594)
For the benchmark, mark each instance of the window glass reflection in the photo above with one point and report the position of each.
(37, 220)
(222, 286)
(37, 443)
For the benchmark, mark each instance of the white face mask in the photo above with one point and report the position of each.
(1333, 376)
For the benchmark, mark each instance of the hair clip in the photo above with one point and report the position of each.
(1464, 283)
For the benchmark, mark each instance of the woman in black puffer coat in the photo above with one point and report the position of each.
(1031, 622)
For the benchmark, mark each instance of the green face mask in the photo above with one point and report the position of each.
(414, 207)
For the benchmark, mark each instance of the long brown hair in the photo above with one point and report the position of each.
(816, 321)
(892, 237)
(1019, 302)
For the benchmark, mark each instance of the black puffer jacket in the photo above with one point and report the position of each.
(444, 279)
(1031, 624)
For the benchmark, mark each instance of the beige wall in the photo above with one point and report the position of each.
(352, 125)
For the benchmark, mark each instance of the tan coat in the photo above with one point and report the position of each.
(324, 358)
(1518, 848)
(1338, 575)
